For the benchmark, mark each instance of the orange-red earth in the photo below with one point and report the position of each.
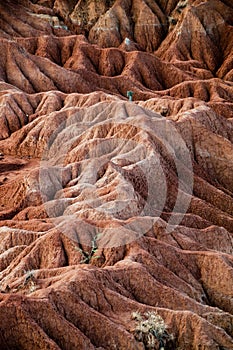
(110, 207)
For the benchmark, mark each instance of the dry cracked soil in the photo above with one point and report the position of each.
(116, 216)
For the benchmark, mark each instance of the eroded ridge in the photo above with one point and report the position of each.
(111, 211)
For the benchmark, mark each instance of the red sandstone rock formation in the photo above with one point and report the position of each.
(110, 207)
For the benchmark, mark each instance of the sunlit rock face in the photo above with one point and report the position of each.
(116, 175)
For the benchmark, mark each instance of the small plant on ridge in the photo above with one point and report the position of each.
(151, 329)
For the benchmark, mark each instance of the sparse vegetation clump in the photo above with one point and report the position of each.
(30, 281)
(181, 5)
(151, 329)
(88, 255)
